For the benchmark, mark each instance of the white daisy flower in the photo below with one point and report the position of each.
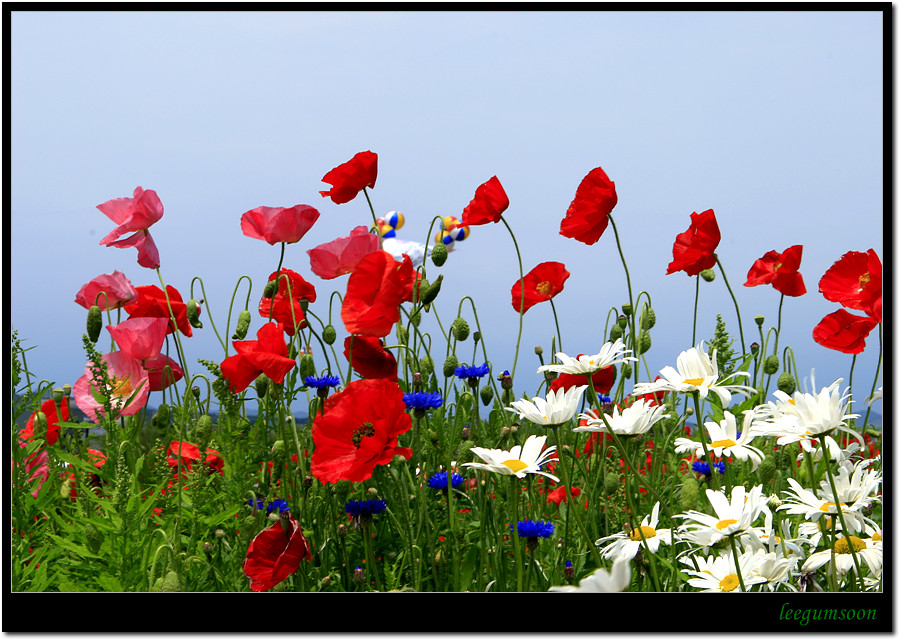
(732, 517)
(872, 399)
(719, 573)
(867, 553)
(695, 370)
(559, 407)
(626, 545)
(518, 461)
(602, 581)
(800, 501)
(631, 421)
(854, 483)
(783, 542)
(776, 569)
(724, 441)
(610, 353)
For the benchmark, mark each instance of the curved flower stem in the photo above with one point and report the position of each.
(522, 299)
(703, 437)
(231, 304)
(736, 307)
(840, 512)
(556, 321)
(374, 217)
(208, 314)
(628, 282)
(877, 373)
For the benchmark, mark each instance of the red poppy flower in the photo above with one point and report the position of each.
(189, 453)
(267, 354)
(341, 255)
(275, 554)
(541, 284)
(348, 179)
(141, 338)
(279, 307)
(159, 377)
(588, 215)
(488, 205)
(694, 249)
(359, 430)
(370, 358)
(854, 281)
(780, 270)
(843, 331)
(118, 289)
(136, 214)
(375, 290)
(603, 380)
(559, 495)
(279, 224)
(48, 407)
(151, 303)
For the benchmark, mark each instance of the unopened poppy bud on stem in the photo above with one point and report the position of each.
(243, 325)
(329, 335)
(94, 323)
(648, 318)
(771, 365)
(460, 329)
(40, 424)
(439, 254)
(615, 332)
(708, 274)
(433, 290)
(787, 383)
(262, 385)
(193, 314)
(450, 365)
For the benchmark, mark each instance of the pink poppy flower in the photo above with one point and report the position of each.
(279, 224)
(136, 214)
(127, 378)
(341, 255)
(148, 254)
(119, 291)
(37, 467)
(159, 376)
(141, 338)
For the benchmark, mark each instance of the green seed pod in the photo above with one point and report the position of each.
(708, 274)
(627, 309)
(93, 539)
(67, 390)
(644, 342)
(487, 394)
(615, 332)
(329, 335)
(759, 320)
(94, 323)
(433, 290)
(460, 329)
(262, 385)
(57, 395)
(787, 383)
(307, 366)
(439, 254)
(476, 336)
(648, 318)
(243, 325)
(690, 491)
(450, 365)
(622, 321)
(193, 314)
(426, 365)
(754, 348)
(171, 582)
(767, 470)
(771, 365)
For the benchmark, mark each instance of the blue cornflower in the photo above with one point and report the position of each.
(439, 480)
(279, 504)
(259, 503)
(358, 508)
(703, 468)
(464, 372)
(534, 529)
(321, 383)
(423, 400)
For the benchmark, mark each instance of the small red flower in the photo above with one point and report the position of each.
(341, 255)
(359, 430)
(375, 290)
(348, 179)
(189, 453)
(602, 379)
(540, 284)
(588, 215)
(279, 224)
(843, 331)
(267, 354)
(854, 282)
(559, 495)
(488, 205)
(151, 303)
(286, 307)
(780, 270)
(694, 249)
(275, 554)
(370, 358)
(118, 289)
(136, 214)
(48, 407)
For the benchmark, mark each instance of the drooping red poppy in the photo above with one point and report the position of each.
(843, 331)
(603, 380)
(488, 205)
(359, 430)
(267, 354)
(286, 305)
(376, 288)
(151, 303)
(136, 214)
(694, 249)
(279, 224)
(348, 179)
(854, 282)
(275, 554)
(588, 215)
(141, 338)
(540, 284)
(370, 358)
(341, 255)
(189, 453)
(780, 270)
(159, 376)
(118, 289)
(148, 253)
(48, 408)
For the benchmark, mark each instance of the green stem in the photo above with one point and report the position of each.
(628, 282)
(522, 299)
(736, 307)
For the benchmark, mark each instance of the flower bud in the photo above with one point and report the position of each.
(220, 534)
(359, 576)
(325, 582)
(433, 290)
(611, 483)
(207, 548)
(487, 394)
(506, 382)
(307, 367)
(690, 490)
(771, 364)
(67, 390)
(243, 325)
(538, 350)
(161, 417)
(644, 342)
(476, 336)
(787, 383)
(759, 320)
(464, 434)
(402, 335)
(627, 309)
(439, 254)
(93, 539)
(626, 370)
(279, 453)
(262, 385)
(94, 323)
(774, 501)
(648, 318)
(450, 365)
(417, 380)
(767, 470)
(171, 582)
(569, 572)
(426, 365)
(415, 319)
(615, 332)
(202, 431)
(754, 348)
(504, 432)
(460, 329)
(274, 390)
(329, 335)
(622, 321)
(271, 289)
(708, 274)
(193, 313)
(57, 395)
(40, 424)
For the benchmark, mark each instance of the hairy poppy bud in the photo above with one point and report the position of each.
(433, 290)
(439, 254)
(171, 582)
(626, 370)
(460, 329)
(193, 313)
(450, 365)
(648, 318)
(40, 424)
(329, 335)
(708, 274)
(787, 384)
(243, 325)
(271, 289)
(426, 365)
(402, 334)
(94, 323)
(690, 490)
(93, 539)
(487, 394)
(771, 364)
(611, 483)
(202, 431)
(626, 309)
(161, 417)
(57, 395)
(307, 367)
(644, 342)
(615, 332)
(262, 385)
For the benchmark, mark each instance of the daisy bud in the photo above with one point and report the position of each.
(787, 384)
(648, 318)
(690, 490)
(94, 323)
(67, 390)
(450, 365)
(708, 274)
(307, 367)
(93, 539)
(243, 325)
(193, 314)
(771, 364)
(271, 289)
(626, 309)
(644, 342)
(615, 332)
(433, 290)
(220, 534)
(329, 335)
(487, 394)
(759, 320)
(774, 501)
(439, 254)
(460, 329)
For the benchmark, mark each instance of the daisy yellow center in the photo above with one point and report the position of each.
(694, 382)
(843, 545)
(792, 401)
(724, 524)
(828, 507)
(730, 582)
(514, 464)
(876, 537)
(544, 288)
(649, 532)
(723, 443)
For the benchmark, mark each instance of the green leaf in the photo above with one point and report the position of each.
(76, 425)
(67, 544)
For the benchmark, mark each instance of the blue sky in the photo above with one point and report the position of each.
(773, 119)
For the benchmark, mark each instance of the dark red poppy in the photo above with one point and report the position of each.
(48, 407)
(279, 224)
(588, 215)
(375, 290)
(275, 554)
(286, 305)
(190, 453)
(780, 270)
(151, 303)
(603, 380)
(843, 331)
(370, 358)
(348, 179)
(159, 376)
(854, 281)
(694, 249)
(541, 284)
(340, 256)
(488, 205)
(267, 354)
(359, 430)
